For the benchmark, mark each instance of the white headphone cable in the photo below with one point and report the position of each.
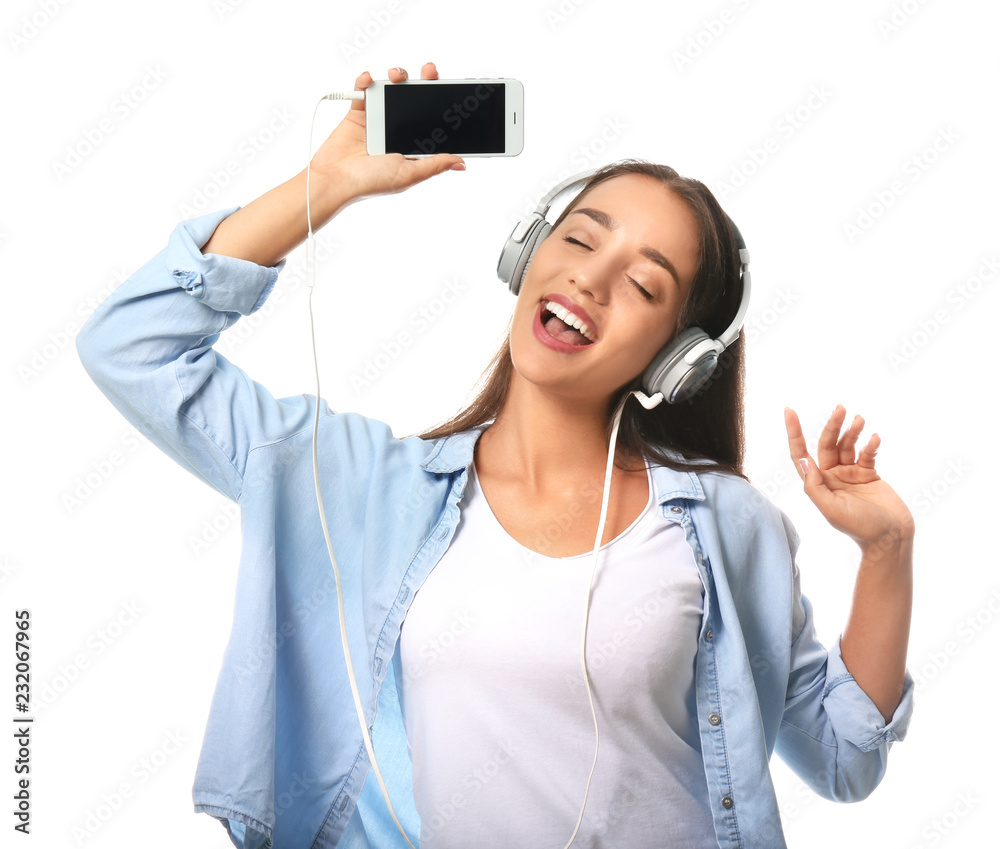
(311, 270)
(590, 584)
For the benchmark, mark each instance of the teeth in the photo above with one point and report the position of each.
(570, 318)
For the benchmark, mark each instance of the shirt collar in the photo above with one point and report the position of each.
(455, 452)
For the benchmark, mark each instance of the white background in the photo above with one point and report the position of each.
(886, 320)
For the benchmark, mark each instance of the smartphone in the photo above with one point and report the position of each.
(470, 117)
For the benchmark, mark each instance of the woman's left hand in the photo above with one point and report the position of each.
(848, 491)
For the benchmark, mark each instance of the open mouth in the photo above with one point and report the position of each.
(556, 321)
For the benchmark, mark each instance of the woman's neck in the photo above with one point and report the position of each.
(546, 441)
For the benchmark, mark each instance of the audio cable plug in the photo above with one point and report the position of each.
(345, 95)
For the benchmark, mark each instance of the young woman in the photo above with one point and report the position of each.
(464, 551)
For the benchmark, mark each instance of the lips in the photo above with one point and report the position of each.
(576, 309)
(543, 336)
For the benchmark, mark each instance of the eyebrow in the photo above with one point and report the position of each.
(608, 223)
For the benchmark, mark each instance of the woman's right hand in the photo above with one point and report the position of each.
(340, 172)
(344, 160)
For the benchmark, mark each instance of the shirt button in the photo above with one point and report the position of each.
(727, 802)
(709, 635)
(676, 509)
(715, 719)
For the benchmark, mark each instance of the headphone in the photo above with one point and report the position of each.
(684, 364)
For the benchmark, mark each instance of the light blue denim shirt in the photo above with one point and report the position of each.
(283, 762)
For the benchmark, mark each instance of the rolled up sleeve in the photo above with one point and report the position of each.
(149, 348)
(832, 735)
(854, 715)
(222, 283)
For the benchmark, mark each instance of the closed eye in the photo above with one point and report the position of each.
(644, 293)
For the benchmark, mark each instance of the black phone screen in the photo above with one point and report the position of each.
(445, 118)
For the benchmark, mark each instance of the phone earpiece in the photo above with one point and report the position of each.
(686, 363)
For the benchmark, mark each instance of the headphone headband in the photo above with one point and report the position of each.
(546, 202)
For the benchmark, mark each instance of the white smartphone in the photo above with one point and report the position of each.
(419, 118)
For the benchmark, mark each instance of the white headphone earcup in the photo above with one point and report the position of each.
(682, 367)
(536, 235)
(531, 231)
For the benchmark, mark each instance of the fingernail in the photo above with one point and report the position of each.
(458, 166)
(804, 463)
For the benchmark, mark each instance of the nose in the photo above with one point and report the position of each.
(592, 278)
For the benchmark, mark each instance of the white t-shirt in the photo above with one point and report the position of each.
(497, 718)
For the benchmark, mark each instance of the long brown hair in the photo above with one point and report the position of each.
(709, 425)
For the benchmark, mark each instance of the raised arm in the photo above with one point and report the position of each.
(856, 501)
(845, 708)
(149, 345)
(342, 172)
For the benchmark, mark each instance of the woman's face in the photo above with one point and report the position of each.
(622, 261)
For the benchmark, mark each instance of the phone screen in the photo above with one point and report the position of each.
(445, 118)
